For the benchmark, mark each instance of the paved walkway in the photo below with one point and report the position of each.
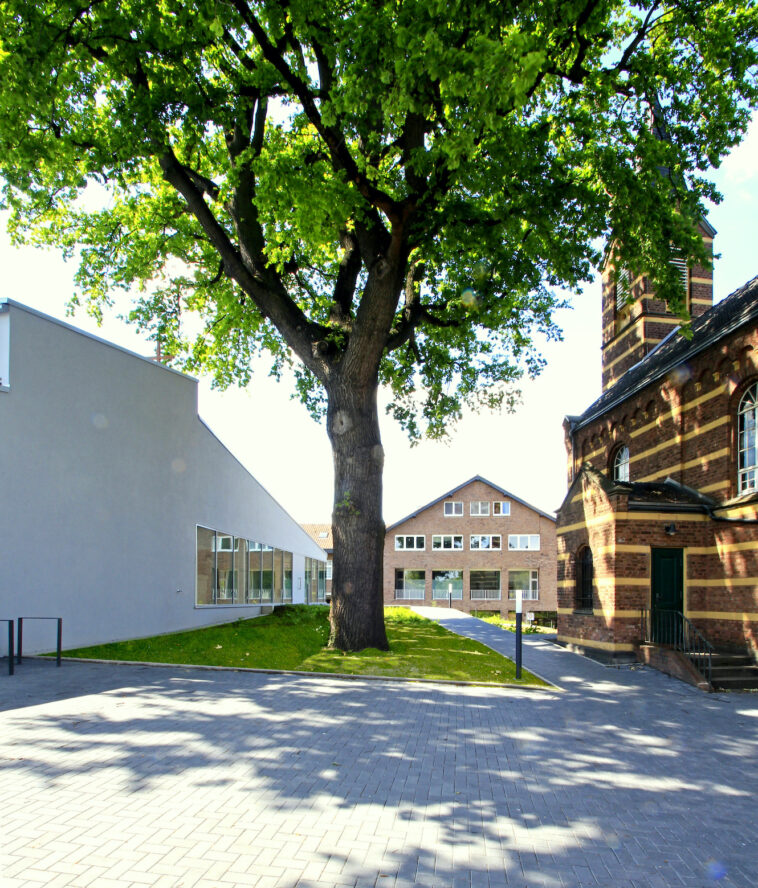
(140, 776)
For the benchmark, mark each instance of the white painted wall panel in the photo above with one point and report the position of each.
(105, 472)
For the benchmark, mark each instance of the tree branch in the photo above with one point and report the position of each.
(334, 139)
(642, 32)
(264, 288)
(420, 314)
(347, 277)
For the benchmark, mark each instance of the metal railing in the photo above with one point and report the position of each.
(409, 594)
(485, 595)
(673, 629)
(11, 654)
(58, 637)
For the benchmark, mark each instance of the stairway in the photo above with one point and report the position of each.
(733, 671)
(672, 644)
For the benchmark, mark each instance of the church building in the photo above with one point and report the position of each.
(658, 533)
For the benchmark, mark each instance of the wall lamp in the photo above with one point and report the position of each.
(670, 529)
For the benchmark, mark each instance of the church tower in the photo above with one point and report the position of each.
(633, 327)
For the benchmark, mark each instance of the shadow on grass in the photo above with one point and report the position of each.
(294, 638)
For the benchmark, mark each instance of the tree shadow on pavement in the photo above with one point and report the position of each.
(630, 782)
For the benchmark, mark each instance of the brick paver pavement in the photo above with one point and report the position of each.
(128, 777)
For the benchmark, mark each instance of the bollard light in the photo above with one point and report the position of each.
(519, 616)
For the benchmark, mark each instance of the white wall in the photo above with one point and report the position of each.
(105, 472)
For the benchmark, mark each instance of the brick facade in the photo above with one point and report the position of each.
(683, 427)
(430, 520)
(631, 331)
(321, 534)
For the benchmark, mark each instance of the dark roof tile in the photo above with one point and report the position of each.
(738, 309)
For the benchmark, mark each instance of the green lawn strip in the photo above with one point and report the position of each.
(294, 638)
(421, 648)
(510, 625)
(280, 640)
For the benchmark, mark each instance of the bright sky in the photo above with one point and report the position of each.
(289, 454)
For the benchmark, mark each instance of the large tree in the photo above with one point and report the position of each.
(384, 191)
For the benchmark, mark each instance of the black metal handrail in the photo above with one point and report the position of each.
(11, 658)
(673, 629)
(58, 637)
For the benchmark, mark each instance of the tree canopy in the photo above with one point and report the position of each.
(252, 162)
(386, 190)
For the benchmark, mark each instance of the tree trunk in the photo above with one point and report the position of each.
(357, 615)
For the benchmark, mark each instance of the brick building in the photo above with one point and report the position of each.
(321, 534)
(479, 543)
(661, 514)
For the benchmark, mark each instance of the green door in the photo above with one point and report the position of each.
(667, 595)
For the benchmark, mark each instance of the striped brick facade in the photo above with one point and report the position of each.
(682, 426)
(631, 331)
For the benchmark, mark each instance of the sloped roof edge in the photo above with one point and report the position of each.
(645, 496)
(6, 302)
(313, 531)
(725, 317)
(454, 490)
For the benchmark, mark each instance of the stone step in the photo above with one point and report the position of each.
(730, 670)
(735, 683)
(730, 659)
(734, 671)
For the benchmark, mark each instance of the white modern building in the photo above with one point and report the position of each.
(120, 511)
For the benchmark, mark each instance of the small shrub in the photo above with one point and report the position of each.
(396, 614)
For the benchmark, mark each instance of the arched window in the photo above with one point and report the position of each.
(747, 441)
(584, 577)
(621, 464)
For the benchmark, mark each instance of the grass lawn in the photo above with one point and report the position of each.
(294, 637)
(510, 625)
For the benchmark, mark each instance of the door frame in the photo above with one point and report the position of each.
(664, 628)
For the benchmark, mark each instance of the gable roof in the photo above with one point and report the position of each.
(455, 490)
(321, 534)
(738, 309)
(668, 495)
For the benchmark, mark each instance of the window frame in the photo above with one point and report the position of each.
(501, 509)
(584, 599)
(479, 505)
(410, 536)
(238, 587)
(489, 594)
(529, 537)
(683, 273)
(489, 547)
(620, 463)
(532, 593)
(452, 537)
(402, 589)
(747, 474)
(456, 510)
(622, 292)
(443, 596)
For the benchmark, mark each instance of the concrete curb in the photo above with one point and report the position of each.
(347, 676)
(542, 677)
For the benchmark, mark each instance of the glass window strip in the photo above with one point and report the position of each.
(233, 570)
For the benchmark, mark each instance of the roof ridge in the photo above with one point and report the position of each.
(725, 316)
